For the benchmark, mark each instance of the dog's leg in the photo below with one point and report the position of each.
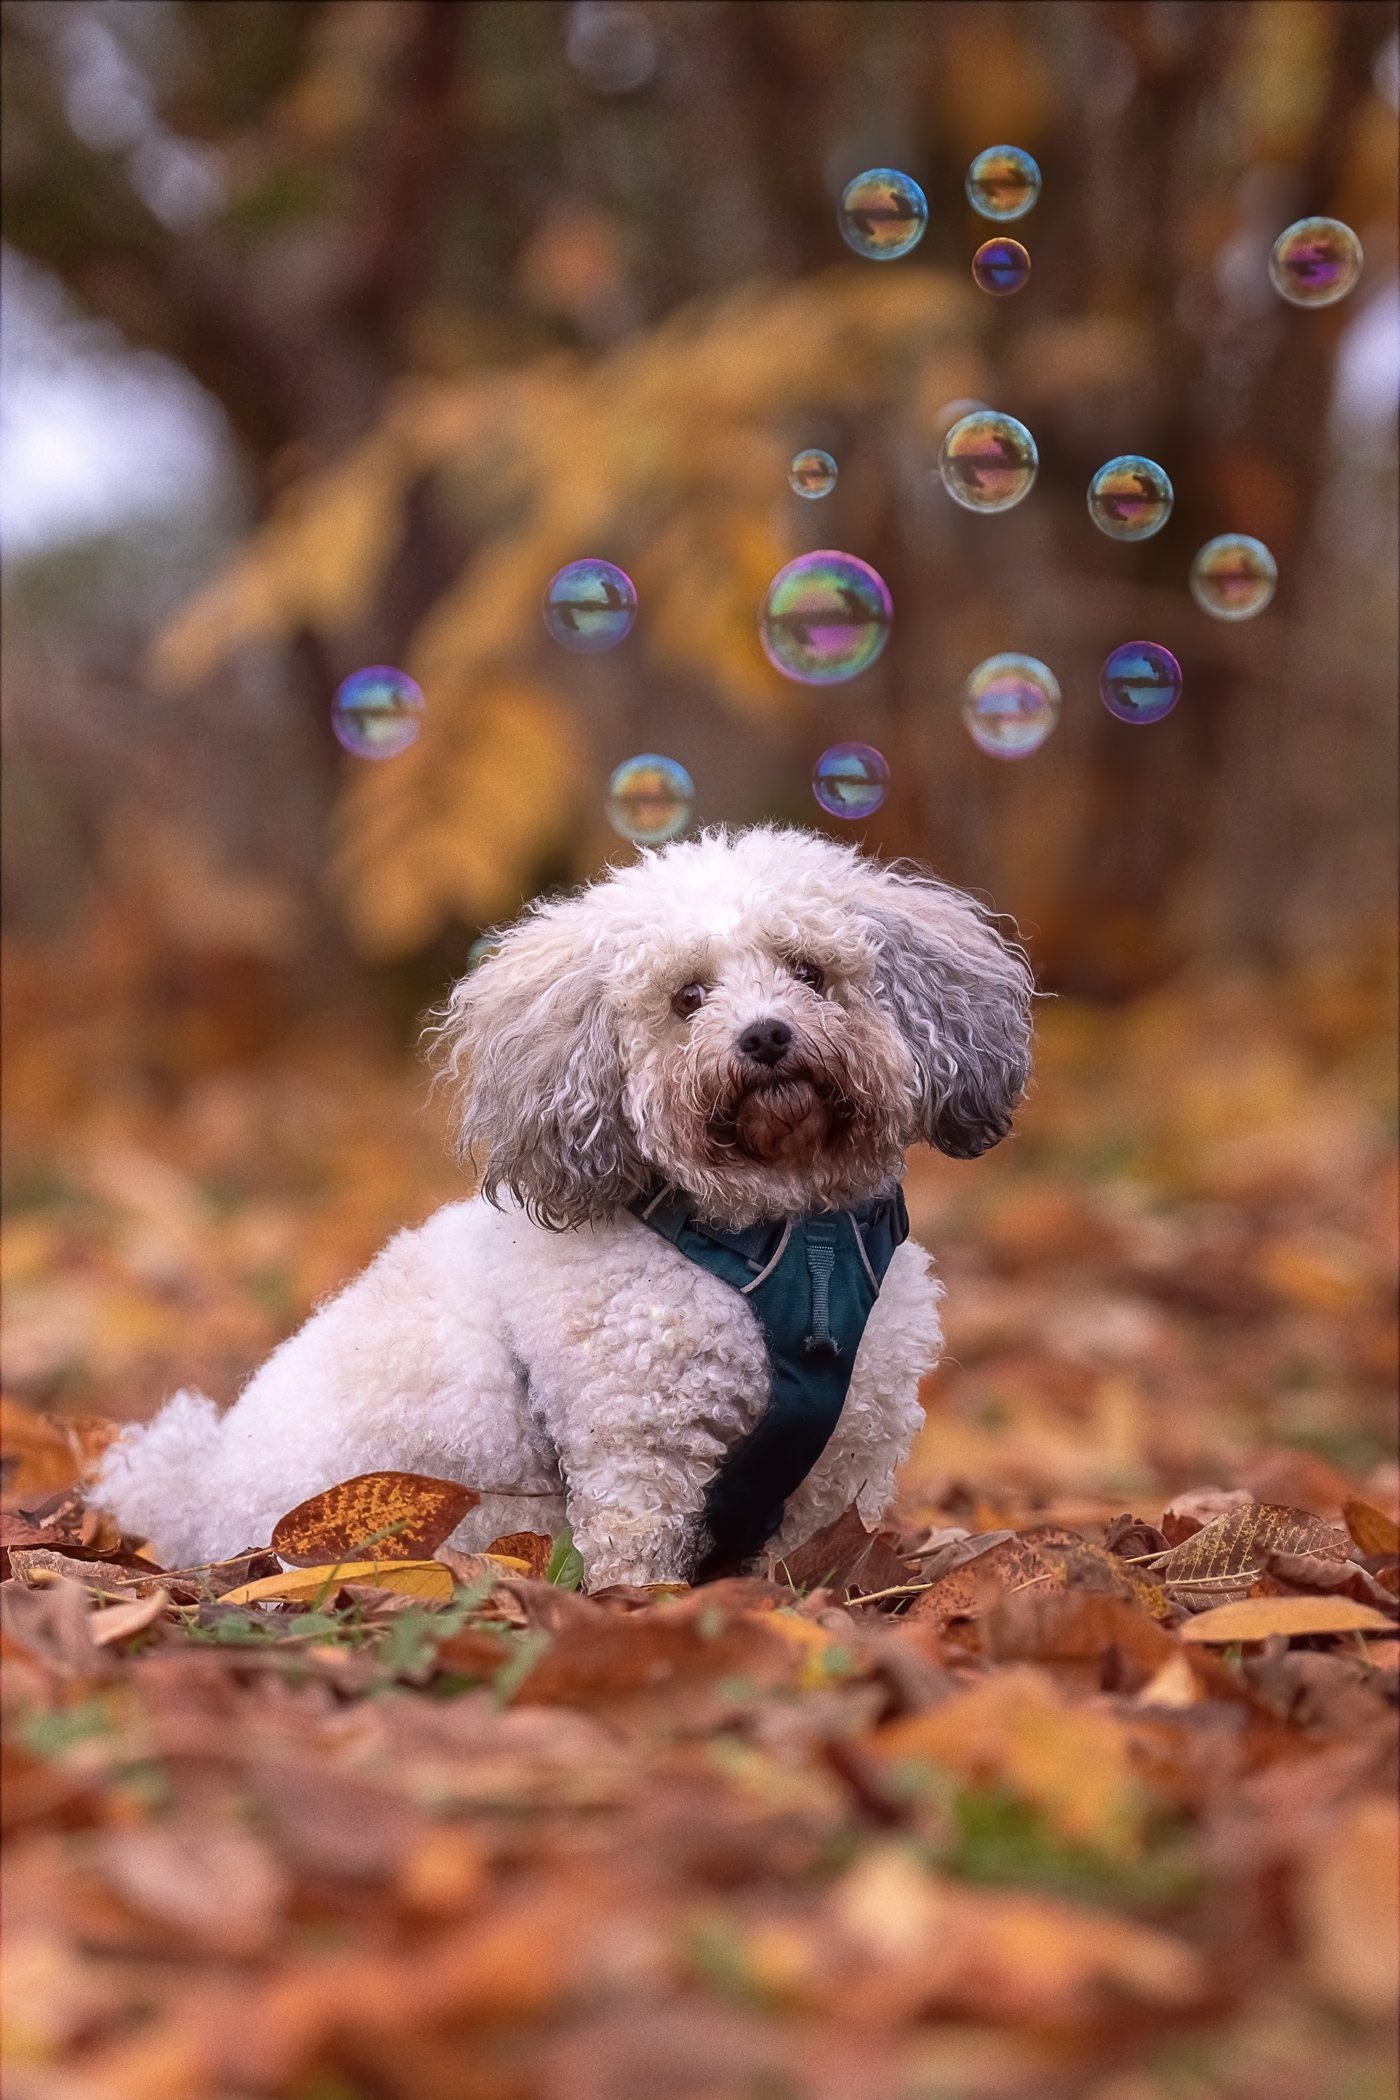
(645, 1371)
(882, 1414)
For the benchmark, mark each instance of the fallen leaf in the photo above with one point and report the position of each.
(987, 1566)
(37, 1457)
(1234, 1546)
(1371, 1529)
(1175, 1684)
(605, 1657)
(530, 1550)
(38, 1564)
(1190, 1512)
(1132, 1538)
(1309, 1571)
(1049, 1624)
(404, 1516)
(119, 1621)
(843, 1557)
(1347, 1910)
(417, 1578)
(1255, 1618)
(222, 1888)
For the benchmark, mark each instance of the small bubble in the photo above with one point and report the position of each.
(851, 780)
(650, 799)
(813, 474)
(1233, 577)
(883, 214)
(1130, 498)
(613, 47)
(826, 617)
(1010, 705)
(480, 950)
(377, 712)
(1315, 262)
(1002, 183)
(988, 461)
(1140, 682)
(1001, 267)
(590, 606)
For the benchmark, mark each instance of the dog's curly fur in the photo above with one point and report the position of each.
(538, 1341)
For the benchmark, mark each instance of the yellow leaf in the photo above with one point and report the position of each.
(119, 1621)
(409, 1578)
(510, 1562)
(1255, 1618)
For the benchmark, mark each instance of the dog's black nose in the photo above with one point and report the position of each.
(766, 1042)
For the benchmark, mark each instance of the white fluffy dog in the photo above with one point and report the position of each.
(688, 1090)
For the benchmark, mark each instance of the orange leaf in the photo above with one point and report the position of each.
(402, 1516)
(1371, 1529)
(1255, 1618)
(531, 1548)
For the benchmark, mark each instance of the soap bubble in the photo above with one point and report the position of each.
(1010, 705)
(377, 712)
(988, 461)
(1140, 682)
(883, 214)
(826, 617)
(614, 48)
(813, 474)
(590, 605)
(1002, 183)
(1001, 267)
(1130, 498)
(953, 412)
(1233, 577)
(480, 950)
(650, 799)
(1315, 262)
(851, 780)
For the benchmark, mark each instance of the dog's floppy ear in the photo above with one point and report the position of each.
(961, 996)
(529, 1040)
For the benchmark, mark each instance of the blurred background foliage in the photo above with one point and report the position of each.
(343, 323)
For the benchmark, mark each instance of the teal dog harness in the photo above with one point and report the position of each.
(812, 1283)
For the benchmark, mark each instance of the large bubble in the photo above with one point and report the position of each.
(1002, 183)
(589, 606)
(1140, 682)
(812, 474)
(883, 214)
(988, 461)
(1001, 267)
(1315, 262)
(826, 617)
(650, 799)
(1233, 577)
(1130, 498)
(1010, 705)
(377, 712)
(851, 780)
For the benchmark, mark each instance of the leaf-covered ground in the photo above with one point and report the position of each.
(1076, 1779)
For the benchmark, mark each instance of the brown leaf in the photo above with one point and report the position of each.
(606, 1657)
(1309, 1571)
(1371, 1529)
(220, 1888)
(1347, 1910)
(998, 1564)
(1089, 1567)
(37, 1457)
(1236, 1545)
(52, 1623)
(38, 1564)
(119, 1621)
(396, 1516)
(1255, 1618)
(1132, 1538)
(472, 1653)
(534, 1548)
(1189, 1513)
(844, 1557)
(1054, 1625)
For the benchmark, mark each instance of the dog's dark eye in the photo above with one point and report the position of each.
(688, 1000)
(808, 973)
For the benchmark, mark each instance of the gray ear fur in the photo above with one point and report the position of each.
(529, 1039)
(961, 995)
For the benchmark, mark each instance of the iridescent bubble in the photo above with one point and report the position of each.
(1233, 577)
(851, 780)
(1010, 705)
(883, 214)
(953, 412)
(1315, 262)
(813, 474)
(826, 617)
(589, 606)
(650, 799)
(1140, 682)
(988, 461)
(1001, 267)
(480, 950)
(377, 712)
(1130, 498)
(1002, 183)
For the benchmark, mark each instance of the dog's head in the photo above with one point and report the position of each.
(764, 1018)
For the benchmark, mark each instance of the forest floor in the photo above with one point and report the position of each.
(1035, 1824)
